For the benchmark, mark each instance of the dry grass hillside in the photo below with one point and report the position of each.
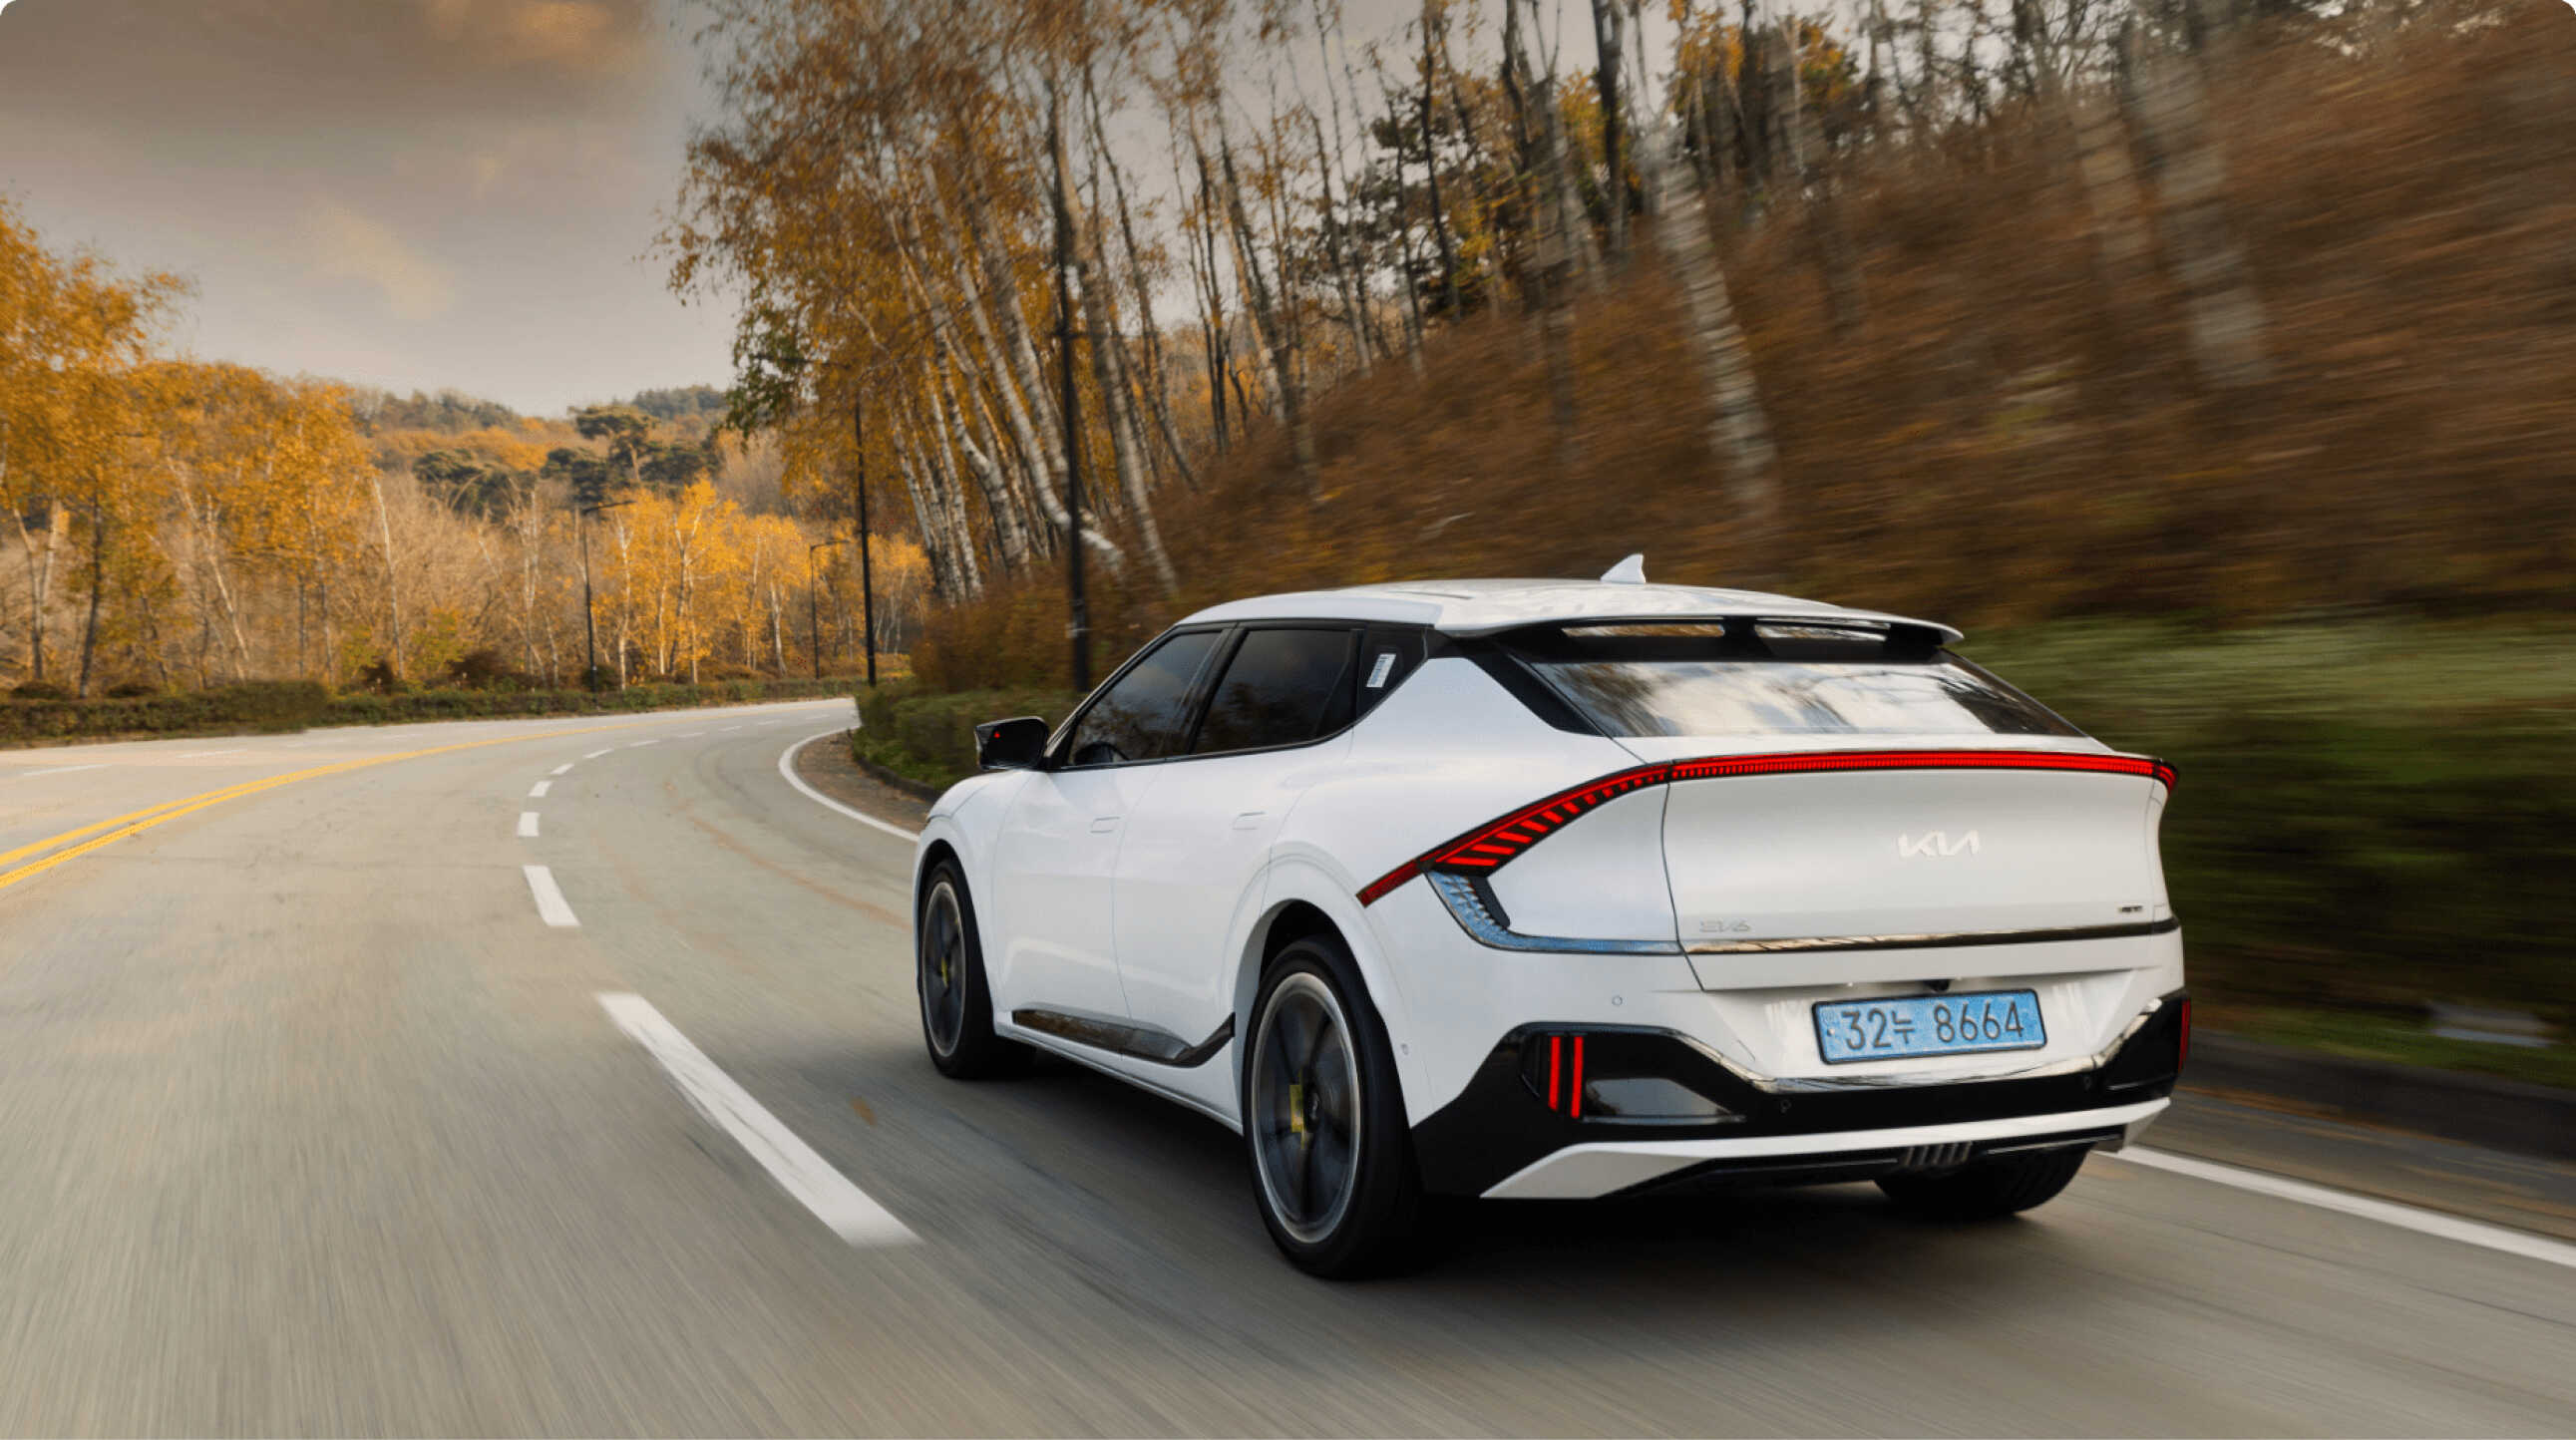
(2005, 437)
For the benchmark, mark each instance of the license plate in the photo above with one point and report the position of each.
(1848, 1030)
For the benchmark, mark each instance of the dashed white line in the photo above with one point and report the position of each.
(787, 769)
(527, 824)
(691, 734)
(640, 744)
(2405, 1217)
(538, 790)
(804, 1174)
(558, 770)
(595, 754)
(551, 905)
(61, 770)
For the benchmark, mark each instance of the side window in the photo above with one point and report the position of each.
(1387, 655)
(1282, 687)
(1145, 716)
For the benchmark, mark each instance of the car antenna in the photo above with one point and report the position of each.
(1631, 571)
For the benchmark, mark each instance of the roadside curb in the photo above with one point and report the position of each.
(2504, 1114)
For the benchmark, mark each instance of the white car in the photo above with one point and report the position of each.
(1536, 888)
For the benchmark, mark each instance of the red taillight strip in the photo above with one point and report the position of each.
(1719, 767)
(1488, 847)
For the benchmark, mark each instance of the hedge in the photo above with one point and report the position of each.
(931, 737)
(272, 707)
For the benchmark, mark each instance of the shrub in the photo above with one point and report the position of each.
(40, 690)
(132, 690)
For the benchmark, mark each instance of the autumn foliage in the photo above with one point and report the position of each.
(2007, 437)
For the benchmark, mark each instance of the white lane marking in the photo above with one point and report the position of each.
(691, 734)
(787, 768)
(551, 906)
(527, 824)
(2405, 1217)
(558, 770)
(595, 754)
(729, 729)
(640, 744)
(60, 770)
(538, 790)
(790, 1161)
(203, 754)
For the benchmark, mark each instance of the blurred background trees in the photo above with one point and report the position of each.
(2005, 310)
(177, 524)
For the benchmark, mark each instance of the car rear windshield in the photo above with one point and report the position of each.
(1760, 679)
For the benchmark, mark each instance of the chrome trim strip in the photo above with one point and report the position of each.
(1935, 941)
(2072, 1065)
(1458, 892)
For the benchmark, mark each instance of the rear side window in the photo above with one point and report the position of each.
(1146, 714)
(1767, 680)
(1388, 653)
(1283, 687)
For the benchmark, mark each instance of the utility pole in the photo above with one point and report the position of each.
(589, 619)
(1080, 628)
(867, 577)
(813, 600)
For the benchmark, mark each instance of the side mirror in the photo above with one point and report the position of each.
(1015, 744)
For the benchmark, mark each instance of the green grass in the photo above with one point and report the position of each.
(2376, 1037)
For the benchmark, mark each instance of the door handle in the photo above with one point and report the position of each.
(1103, 824)
(1249, 819)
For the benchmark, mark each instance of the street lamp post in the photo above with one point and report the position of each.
(813, 601)
(589, 620)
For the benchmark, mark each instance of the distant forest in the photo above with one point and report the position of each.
(453, 412)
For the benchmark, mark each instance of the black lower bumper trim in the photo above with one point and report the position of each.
(1499, 1124)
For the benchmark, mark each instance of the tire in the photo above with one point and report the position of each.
(1324, 1124)
(948, 976)
(1987, 1189)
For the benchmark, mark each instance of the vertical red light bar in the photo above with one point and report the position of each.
(2185, 1052)
(1575, 1099)
(1555, 1056)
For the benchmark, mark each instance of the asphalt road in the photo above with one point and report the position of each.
(312, 1123)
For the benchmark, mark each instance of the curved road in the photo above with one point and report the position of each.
(313, 1123)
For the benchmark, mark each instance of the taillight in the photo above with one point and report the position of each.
(2183, 1051)
(1489, 847)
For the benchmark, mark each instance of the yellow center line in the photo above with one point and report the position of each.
(151, 815)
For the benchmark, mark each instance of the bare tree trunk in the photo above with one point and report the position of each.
(1265, 318)
(2225, 314)
(393, 589)
(1739, 433)
(40, 574)
(1156, 385)
(1607, 22)
(1431, 158)
(1554, 275)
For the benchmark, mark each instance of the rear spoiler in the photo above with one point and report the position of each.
(1745, 634)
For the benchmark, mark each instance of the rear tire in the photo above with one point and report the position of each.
(1324, 1123)
(1987, 1189)
(948, 974)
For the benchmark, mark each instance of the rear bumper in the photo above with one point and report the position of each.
(1501, 1135)
(1587, 1170)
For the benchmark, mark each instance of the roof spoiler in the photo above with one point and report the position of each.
(1744, 629)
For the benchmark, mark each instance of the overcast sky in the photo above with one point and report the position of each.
(405, 193)
(413, 194)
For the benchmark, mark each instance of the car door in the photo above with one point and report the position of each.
(1196, 843)
(1054, 859)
